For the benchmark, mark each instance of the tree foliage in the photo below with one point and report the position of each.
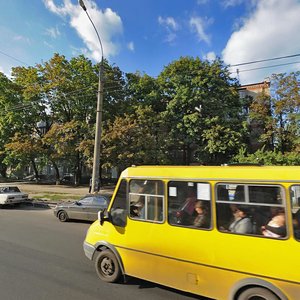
(276, 122)
(133, 139)
(23, 150)
(195, 92)
(286, 111)
(190, 113)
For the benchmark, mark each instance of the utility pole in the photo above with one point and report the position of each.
(95, 187)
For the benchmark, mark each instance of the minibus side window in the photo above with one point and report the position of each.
(146, 198)
(295, 200)
(251, 209)
(189, 204)
(118, 209)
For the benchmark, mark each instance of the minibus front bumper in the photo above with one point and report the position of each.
(89, 250)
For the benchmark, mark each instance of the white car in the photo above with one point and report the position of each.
(12, 195)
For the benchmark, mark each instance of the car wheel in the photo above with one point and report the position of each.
(62, 216)
(107, 266)
(257, 293)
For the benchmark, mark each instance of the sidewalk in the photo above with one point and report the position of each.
(44, 193)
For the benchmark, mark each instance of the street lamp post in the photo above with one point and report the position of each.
(96, 161)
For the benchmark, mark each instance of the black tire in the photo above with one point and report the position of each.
(62, 216)
(257, 293)
(107, 266)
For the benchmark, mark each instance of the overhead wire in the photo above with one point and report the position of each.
(114, 84)
(263, 60)
(12, 57)
(272, 66)
(237, 71)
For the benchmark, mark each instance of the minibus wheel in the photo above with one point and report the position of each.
(107, 266)
(257, 293)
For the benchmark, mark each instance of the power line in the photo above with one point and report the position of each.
(263, 60)
(114, 82)
(14, 58)
(279, 65)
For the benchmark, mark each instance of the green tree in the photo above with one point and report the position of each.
(63, 144)
(267, 157)
(278, 118)
(15, 117)
(61, 92)
(23, 151)
(114, 103)
(286, 110)
(221, 142)
(196, 91)
(262, 125)
(132, 139)
(33, 111)
(69, 88)
(143, 90)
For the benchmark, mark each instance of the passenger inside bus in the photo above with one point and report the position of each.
(137, 210)
(242, 222)
(202, 219)
(276, 227)
(185, 215)
(296, 224)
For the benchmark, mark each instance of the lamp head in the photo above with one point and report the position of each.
(82, 5)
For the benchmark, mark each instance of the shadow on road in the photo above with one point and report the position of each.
(27, 206)
(79, 221)
(143, 284)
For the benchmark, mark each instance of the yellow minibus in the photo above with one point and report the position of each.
(223, 232)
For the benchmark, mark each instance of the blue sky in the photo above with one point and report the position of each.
(146, 35)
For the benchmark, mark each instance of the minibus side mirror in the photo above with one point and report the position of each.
(103, 215)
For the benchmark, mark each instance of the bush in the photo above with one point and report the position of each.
(268, 158)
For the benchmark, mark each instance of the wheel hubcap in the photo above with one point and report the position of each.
(107, 266)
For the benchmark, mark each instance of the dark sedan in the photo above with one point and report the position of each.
(85, 209)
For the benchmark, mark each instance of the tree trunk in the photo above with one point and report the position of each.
(186, 154)
(57, 177)
(36, 172)
(3, 169)
(77, 171)
(281, 131)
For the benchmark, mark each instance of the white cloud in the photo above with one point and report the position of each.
(62, 10)
(79, 51)
(107, 22)
(238, 23)
(210, 56)
(272, 30)
(6, 70)
(22, 39)
(199, 24)
(231, 3)
(171, 26)
(53, 32)
(201, 2)
(48, 45)
(130, 46)
(169, 22)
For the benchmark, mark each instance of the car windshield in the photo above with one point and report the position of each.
(9, 189)
(92, 200)
(100, 201)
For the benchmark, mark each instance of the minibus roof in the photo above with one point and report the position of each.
(229, 172)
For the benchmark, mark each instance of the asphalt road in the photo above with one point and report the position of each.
(42, 259)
